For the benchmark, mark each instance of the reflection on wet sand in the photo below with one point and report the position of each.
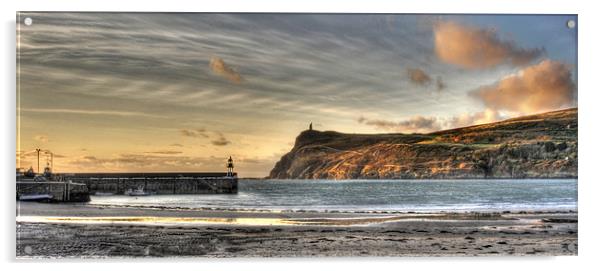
(249, 221)
(157, 220)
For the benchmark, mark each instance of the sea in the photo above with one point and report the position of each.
(374, 195)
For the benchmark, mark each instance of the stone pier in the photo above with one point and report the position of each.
(57, 191)
(157, 183)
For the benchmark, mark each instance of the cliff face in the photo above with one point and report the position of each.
(536, 146)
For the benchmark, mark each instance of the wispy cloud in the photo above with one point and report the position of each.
(418, 76)
(147, 162)
(219, 67)
(440, 84)
(201, 132)
(251, 165)
(41, 138)
(421, 78)
(149, 74)
(90, 112)
(163, 152)
(220, 140)
(468, 119)
(424, 124)
(416, 124)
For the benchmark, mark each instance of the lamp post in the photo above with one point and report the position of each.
(38, 151)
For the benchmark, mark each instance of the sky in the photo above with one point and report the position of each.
(157, 92)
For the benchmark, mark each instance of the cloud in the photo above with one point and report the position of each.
(440, 84)
(219, 67)
(90, 112)
(133, 161)
(34, 153)
(23, 154)
(475, 48)
(194, 132)
(221, 140)
(422, 124)
(419, 77)
(487, 116)
(136, 162)
(176, 145)
(545, 86)
(41, 138)
(197, 133)
(416, 124)
(163, 152)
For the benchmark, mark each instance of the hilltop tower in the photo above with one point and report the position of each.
(311, 126)
(230, 167)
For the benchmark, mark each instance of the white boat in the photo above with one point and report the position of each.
(35, 197)
(103, 194)
(138, 192)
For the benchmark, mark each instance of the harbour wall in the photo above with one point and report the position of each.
(157, 183)
(59, 191)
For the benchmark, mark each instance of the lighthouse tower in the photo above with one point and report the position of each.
(230, 167)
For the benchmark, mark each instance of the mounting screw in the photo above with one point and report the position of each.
(570, 24)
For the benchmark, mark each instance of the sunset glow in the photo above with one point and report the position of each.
(151, 92)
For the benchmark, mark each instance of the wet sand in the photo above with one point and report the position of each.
(81, 230)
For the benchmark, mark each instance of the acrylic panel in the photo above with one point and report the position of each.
(295, 135)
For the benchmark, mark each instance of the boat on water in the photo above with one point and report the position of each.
(35, 197)
(103, 194)
(138, 192)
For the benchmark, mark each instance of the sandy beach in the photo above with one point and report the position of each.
(81, 230)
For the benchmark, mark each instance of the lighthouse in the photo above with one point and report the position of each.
(230, 167)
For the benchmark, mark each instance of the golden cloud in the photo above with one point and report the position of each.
(221, 140)
(416, 124)
(426, 124)
(419, 77)
(145, 161)
(166, 152)
(475, 48)
(219, 67)
(545, 86)
(463, 120)
(194, 133)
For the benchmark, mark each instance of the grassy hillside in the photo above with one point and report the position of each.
(536, 146)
